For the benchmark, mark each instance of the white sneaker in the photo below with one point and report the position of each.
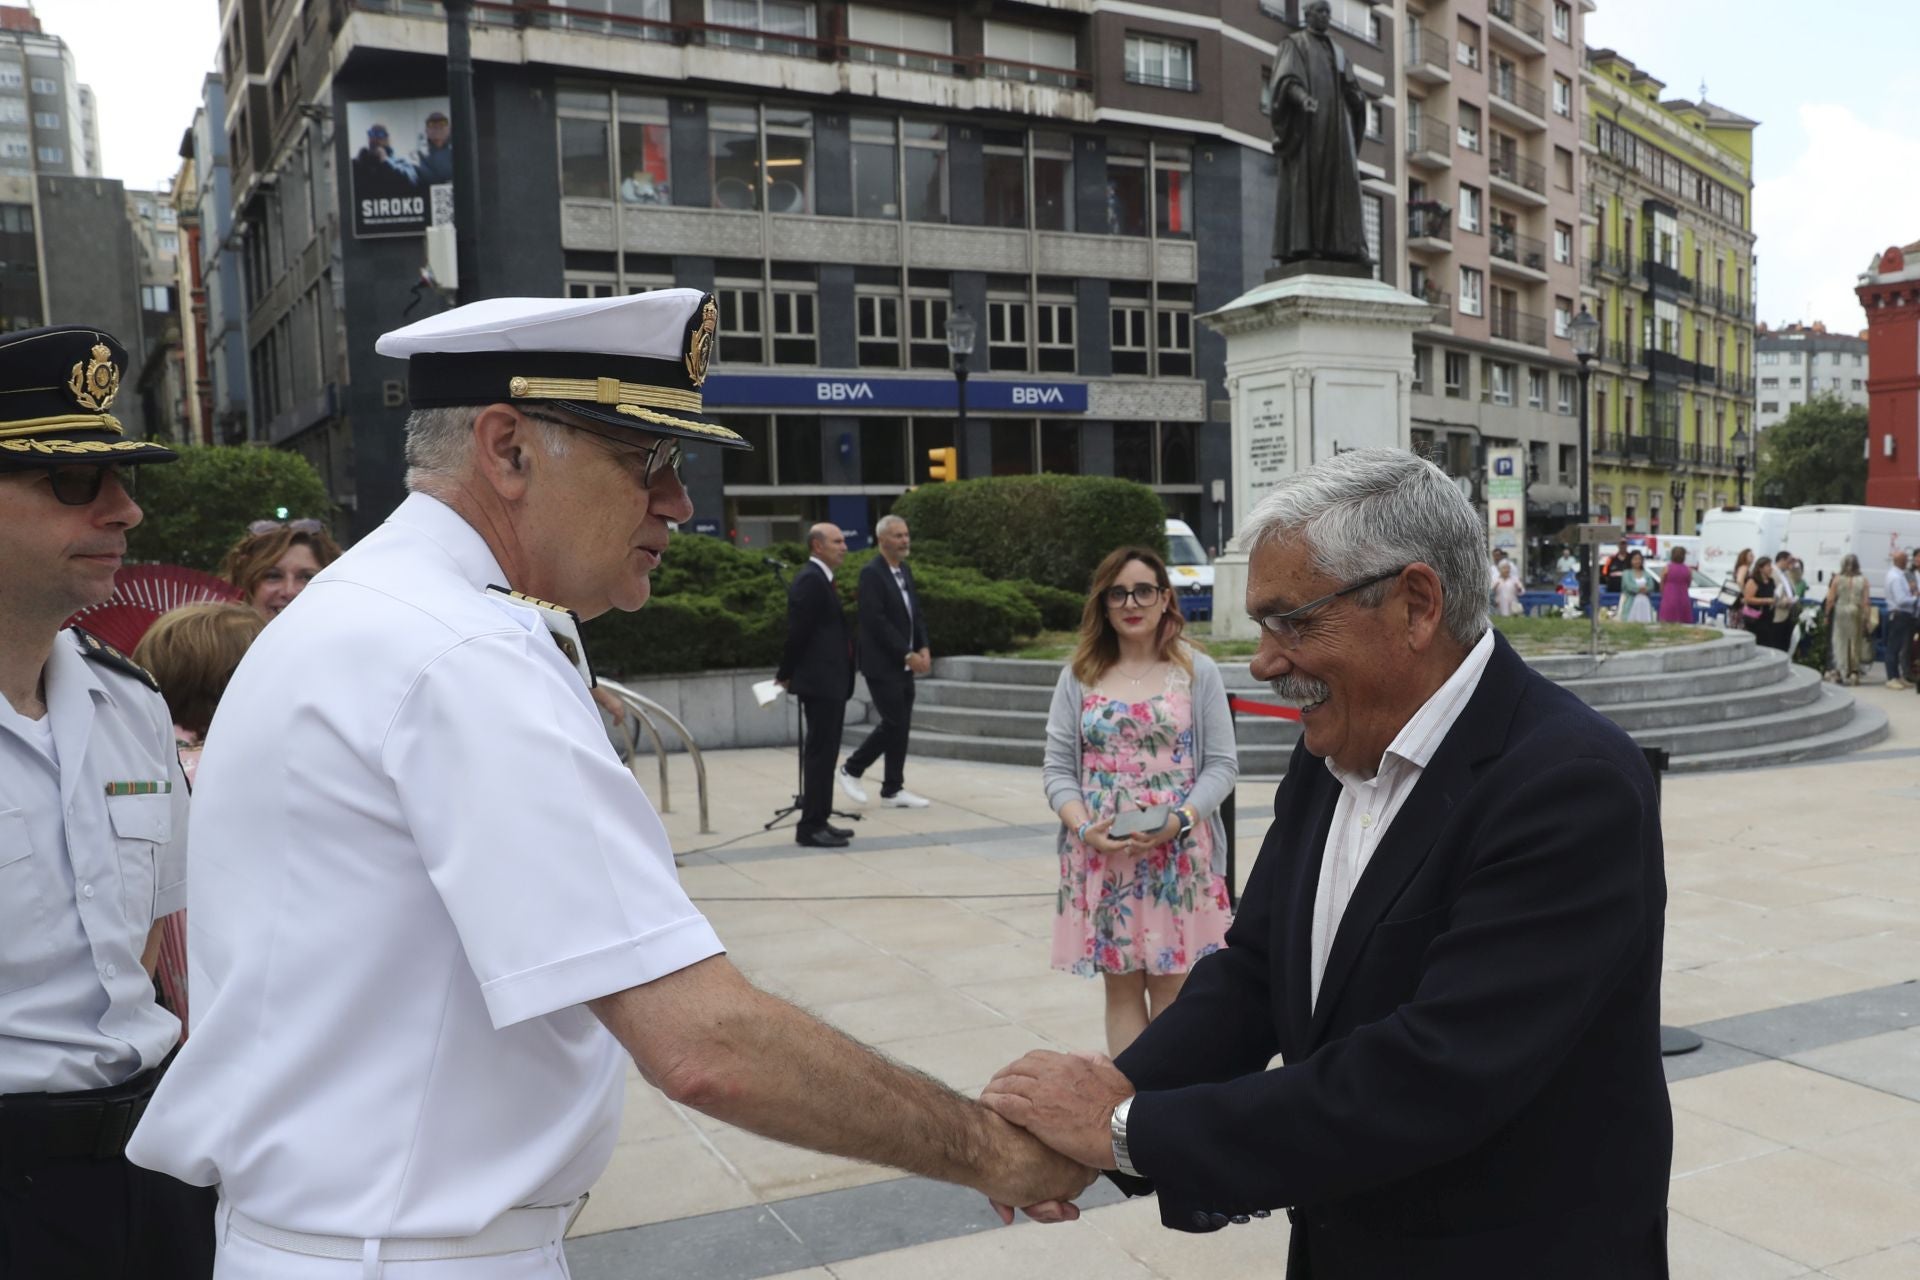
(904, 799)
(851, 785)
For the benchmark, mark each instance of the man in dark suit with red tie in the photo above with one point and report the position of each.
(1451, 939)
(817, 668)
(893, 650)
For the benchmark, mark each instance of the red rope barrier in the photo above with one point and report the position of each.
(1272, 709)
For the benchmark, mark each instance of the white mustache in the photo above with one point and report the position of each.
(1300, 689)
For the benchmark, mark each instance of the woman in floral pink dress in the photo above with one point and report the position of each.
(1139, 721)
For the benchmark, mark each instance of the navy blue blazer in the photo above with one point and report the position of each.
(817, 661)
(1478, 1092)
(889, 631)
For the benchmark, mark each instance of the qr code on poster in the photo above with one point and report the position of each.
(442, 204)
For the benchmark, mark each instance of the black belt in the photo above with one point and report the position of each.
(41, 1128)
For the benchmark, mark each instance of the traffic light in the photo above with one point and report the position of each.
(946, 464)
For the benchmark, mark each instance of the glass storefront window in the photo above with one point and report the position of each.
(789, 161)
(1004, 162)
(883, 451)
(800, 461)
(733, 135)
(583, 159)
(926, 166)
(1179, 453)
(1052, 181)
(1173, 189)
(1060, 448)
(876, 168)
(741, 466)
(1133, 451)
(645, 151)
(1126, 187)
(1013, 446)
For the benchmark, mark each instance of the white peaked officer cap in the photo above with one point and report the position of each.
(636, 362)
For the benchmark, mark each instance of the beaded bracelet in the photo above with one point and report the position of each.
(1081, 834)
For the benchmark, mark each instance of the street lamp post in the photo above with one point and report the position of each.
(1582, 332)
(466, 151)
(962, 329)
(1740, 442)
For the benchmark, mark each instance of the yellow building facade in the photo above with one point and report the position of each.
(1668, 273)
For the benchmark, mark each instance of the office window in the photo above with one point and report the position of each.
(1769, 357)
(926, 156)
(645, 156)
(733, 156)
(1007, 335)
(1126, 187)
(646, 10)
(1562, 96)
(1469, 128)
(1174, 331)
(1569, 389)
(876, 168)
(1563, 21)
(13, 147)
(1468, 42)
(1469, 208)
(742, 330)
(1129, 336)
(927, 331)
(928, 37)
(1769, 406)
(42, 85)
(1470, 296)
(11, 77)
(1159, 62)
(789, 178)
(1133, 450)
(795, 329)
(1053, 336)
(1456, 371)
(46, 120)
(1769, 383)
(1173, 188)
(12, 111)
(1562, 316)
(1793, 382)
(1013, 446)
(1537, 392)
(1037, 55)
(1004, 161)
(1060, 448)
(792, 19)
(588, 284)
(883, 452)
(53, 155)
(877, 330)
(1052, 181)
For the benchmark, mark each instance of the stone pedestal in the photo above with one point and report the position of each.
(1316, 365)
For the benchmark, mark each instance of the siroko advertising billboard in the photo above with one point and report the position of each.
(401, 171)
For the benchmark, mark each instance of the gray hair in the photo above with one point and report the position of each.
(888, 523)
(1370, 511)
(440, 443)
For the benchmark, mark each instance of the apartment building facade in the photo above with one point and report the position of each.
(47, 122)
(1797, 362)
(1490, 138)
(1082, 177)
(1669, 276)
(1889, 292)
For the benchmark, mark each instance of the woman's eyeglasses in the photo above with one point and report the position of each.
(1140, 597)
(298, 526)
(80, 486)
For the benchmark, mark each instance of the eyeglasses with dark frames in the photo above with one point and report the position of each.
(1140, 597)
(1287, 631)
(80, 486)
(665, 455)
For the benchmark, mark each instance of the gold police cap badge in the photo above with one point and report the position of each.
(95, 382)
(700, 340)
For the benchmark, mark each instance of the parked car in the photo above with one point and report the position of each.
(1190, 570)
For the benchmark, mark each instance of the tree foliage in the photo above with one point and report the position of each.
(198, 507)
(1046, 529)
(1817, 454)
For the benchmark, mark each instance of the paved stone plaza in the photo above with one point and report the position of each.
(1793, 945)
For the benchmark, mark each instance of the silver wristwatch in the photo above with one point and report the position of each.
(1117, 1127)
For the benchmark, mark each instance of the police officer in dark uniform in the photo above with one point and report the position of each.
(92, 841)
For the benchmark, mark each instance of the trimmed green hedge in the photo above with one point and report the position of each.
(1044, 529)
(198, 507)
(716, 606)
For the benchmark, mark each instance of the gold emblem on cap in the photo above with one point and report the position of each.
(700, 341)
(517, 387)
(95, 382)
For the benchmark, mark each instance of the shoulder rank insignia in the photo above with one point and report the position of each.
(562, 623)
(98, 650)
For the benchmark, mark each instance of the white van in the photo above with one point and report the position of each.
(1728, 531)
(1824, 535)
(1190, 570)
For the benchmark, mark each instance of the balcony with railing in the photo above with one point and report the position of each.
(1519, 326)
(1429, 142)
(1518, 100)
(1610, 445)
(1429, 56)
(1440, 300)
(1518, 24)
(1429, 226)
(1612, 262)
(1518, 177)
(1511, 249)
(1659, 275)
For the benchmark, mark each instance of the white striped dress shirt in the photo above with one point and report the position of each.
(1367, 806)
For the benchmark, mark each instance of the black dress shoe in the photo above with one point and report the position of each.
(824, 839)
(845, 833)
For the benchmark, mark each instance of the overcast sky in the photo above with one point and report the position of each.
(1834, 85)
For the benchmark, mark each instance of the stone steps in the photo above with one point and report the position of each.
(1720, 704)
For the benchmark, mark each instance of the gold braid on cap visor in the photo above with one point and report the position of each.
(48, 426)
(604, 391)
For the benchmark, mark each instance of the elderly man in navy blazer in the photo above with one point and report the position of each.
(1451, 938)
(893, 650)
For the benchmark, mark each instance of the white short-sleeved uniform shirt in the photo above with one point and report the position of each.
(416, 857)
(84, 873)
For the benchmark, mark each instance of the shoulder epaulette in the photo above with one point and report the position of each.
(98, 650)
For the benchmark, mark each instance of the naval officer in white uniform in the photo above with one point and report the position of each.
(425, 888)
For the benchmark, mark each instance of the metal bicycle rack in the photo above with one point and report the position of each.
(644, 710)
